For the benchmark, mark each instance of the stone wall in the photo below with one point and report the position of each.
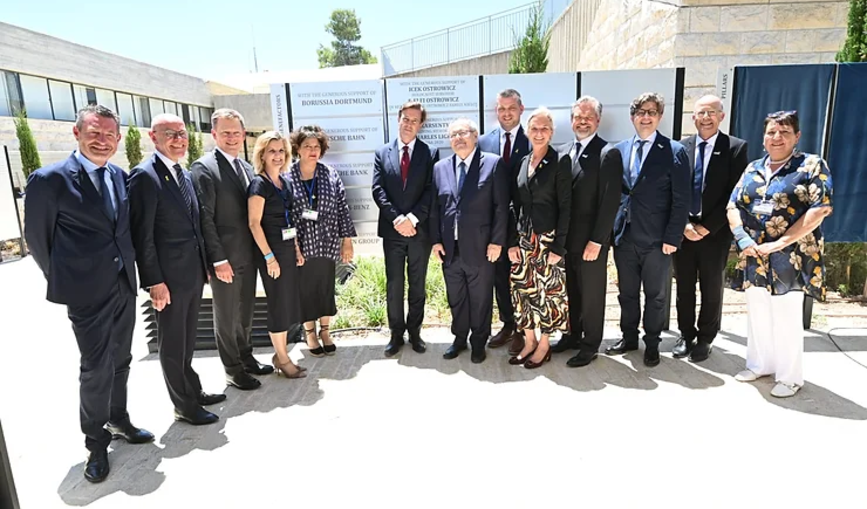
(498, 63)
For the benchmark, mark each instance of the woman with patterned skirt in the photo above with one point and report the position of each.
(541, 201)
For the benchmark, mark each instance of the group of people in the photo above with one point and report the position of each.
(509, 216)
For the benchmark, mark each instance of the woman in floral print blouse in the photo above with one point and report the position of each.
(775, 213)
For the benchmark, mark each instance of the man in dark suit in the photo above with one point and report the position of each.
(717, 161)
(469, 219)
(221, 178)
(596, 174)
(164, 216)
(509, 141)
(77, 227)
(401, 188)
(649, 225)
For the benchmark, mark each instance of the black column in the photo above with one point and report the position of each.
(8, 496)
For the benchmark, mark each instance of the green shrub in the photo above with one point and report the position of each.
(132, 146)
(846, 267)
(30, 161)
(194, 150)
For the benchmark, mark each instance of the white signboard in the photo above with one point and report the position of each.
(336, 99)
(725, 81)
(280, 109)
(356, 170)
(616, 90)
(9, 226)
(367, 242)
(555, 91)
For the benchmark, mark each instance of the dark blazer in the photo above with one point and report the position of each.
(223, 210)
(481, 210)
(72, 238)
(658, 204)
(727, 164)
(545, 199)
(596, 176)
(389, 194)
(168, 242)
(490, 142)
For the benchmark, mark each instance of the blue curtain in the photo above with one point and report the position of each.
(846, 156)
(766, 89)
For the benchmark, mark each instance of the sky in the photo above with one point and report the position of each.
(214, 39)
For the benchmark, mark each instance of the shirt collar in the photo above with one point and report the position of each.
(513, 132)
(166, 161)
(401, 144)
(586, 141)
(710, 141)
(88, 165)
(650, 139)
(229, 158)
(466, 161)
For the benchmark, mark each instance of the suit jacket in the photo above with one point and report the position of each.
(545, 199)
(392, 198)
(71, 236)
(727, 163)
(167, 237)
(223, 210)
(657, 205)
(481, 210)
(596, 176)
(490, 142)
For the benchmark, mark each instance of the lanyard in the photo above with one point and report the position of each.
(284, 195)
(310, 187)
(770, 175)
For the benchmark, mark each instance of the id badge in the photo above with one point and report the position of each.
(310, 215)
(288, 233)
(763, 208)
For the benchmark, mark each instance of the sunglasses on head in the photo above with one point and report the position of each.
(781, 113)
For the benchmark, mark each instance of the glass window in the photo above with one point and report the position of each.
(205, 121)
(5, 96)
(156, 108)
(36, 99)
(124, 109)
(142, 111)
(79, 93)
(61, 100)
(106, 98)
(194, 111)
(185, 114)
(171, 108)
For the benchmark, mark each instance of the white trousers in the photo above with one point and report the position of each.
(775, 334)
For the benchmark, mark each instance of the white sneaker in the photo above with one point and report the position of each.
(747, 376)
(784, 390)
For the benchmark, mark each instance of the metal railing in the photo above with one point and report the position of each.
(485, 36)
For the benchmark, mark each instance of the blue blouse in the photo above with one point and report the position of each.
(800, 185)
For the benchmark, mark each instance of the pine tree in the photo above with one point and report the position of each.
(345, 26)
(133, 146)
(30, 161)
(531, 51)
(194, 150)
(855, 47)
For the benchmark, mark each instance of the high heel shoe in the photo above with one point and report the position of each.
(329, 349)
(289, 370)
(277, 365)
(518, 360)
(318, 351)
(533, 365)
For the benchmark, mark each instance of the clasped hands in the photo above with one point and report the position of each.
(404, 226)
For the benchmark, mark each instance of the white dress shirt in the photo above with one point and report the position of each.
(708, 151)
(581, 146)
(170, 165)
(458, 162)
(512, 134)
(411, 145)
(90, 167)
(644, 150)
(231, 160)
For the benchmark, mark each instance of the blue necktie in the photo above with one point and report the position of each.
(697, 178)
(184, 187)
(636, 163)
(106, 196)
(463, 176)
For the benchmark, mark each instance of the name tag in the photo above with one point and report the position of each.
(763, 208)
(288, 233)
(310, 215)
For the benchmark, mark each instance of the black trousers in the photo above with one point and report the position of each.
(410, 256)
(503, 289)
(470, 296)
(704, 260)
(104, 335)
(586, 285)
(636, 267)
(176, 337)
(233, 317)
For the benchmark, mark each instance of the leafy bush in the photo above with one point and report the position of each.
(30, 161)
(132, 146)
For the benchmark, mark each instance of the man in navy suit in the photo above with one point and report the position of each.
(649, 224)
(511, 144)
(401, 189)
(469, 218)
(77, 227)
(164, 216)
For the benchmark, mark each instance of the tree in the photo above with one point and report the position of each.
(531, 51)
(345, 26)
(194, 150)
(855, 47)
(30, 161)
(133, 146)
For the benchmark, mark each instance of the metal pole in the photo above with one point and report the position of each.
(8, 495)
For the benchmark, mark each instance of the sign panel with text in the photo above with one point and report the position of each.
(555, 91)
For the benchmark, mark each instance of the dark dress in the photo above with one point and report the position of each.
(281, 293)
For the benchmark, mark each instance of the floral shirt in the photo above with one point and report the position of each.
(798, 186)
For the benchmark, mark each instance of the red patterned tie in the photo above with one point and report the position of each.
(507, 148)
(404, 165)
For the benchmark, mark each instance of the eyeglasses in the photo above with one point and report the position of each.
(460, 134)
(706, 113)
(176, 135)
(647, 113)
(782, 113)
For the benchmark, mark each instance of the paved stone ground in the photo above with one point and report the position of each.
(418, 431)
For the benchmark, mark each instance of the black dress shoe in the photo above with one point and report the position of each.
(582, 359)
(502, 337)
(651, 356)
(206, 399)
(700, 352)
(198, 418)
(567, 342)
(418, 345)
(621, 347)
(96, 469)
(130, 433)
(478, 356)
(453, 351)
(243, 381)
(682, 347)
(393, 347)
(255, 367)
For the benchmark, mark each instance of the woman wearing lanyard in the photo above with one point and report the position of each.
(325, 229)
(268, 208)
(775, 213)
